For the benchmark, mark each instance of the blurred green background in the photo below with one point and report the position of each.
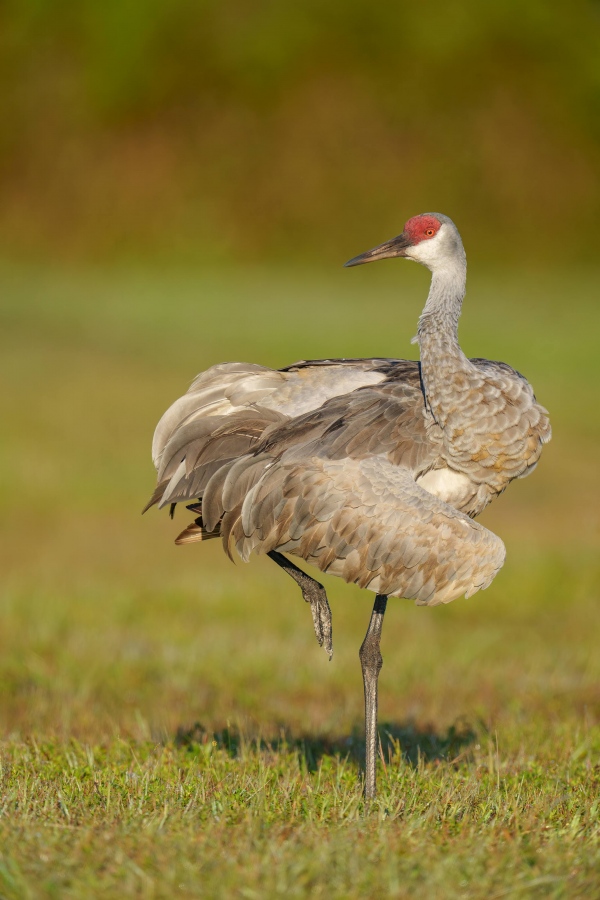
(179, 184)
(228, 129)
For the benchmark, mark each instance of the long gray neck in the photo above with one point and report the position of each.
(443, 364)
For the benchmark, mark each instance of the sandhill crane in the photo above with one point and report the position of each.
(370, 469)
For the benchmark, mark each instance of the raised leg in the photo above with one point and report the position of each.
(371, 663)
(313, 593)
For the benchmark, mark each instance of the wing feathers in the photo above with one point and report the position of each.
(407, 557)
(334, 485)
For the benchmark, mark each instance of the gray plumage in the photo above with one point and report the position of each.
(370, 469)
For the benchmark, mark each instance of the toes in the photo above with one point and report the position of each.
(327, 638)
(325, 626)
(317, 622)
(329, 647)
(321, 615)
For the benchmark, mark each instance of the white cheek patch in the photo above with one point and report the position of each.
(428, 249)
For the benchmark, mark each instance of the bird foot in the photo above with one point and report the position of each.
(321, 614)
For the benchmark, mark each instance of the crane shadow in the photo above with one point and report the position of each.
(398, 740)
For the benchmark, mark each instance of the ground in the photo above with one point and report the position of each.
(169, 726)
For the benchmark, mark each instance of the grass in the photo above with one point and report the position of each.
(169, 726)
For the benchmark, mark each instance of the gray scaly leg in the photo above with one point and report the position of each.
(314, 593)
(371, 662)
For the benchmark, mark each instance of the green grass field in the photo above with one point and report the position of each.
(169, 726)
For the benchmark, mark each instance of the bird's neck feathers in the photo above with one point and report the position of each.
(442, 359)
(444, 303)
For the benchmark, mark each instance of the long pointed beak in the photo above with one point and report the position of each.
(396, 247)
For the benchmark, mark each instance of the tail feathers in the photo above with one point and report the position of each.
(156, 496)
(196, 532)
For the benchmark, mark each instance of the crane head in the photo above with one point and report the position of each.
(429, 238)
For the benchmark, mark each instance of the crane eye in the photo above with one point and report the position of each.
(429, 232)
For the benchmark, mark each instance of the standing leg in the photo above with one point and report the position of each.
(371, 663)
(313, 593)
